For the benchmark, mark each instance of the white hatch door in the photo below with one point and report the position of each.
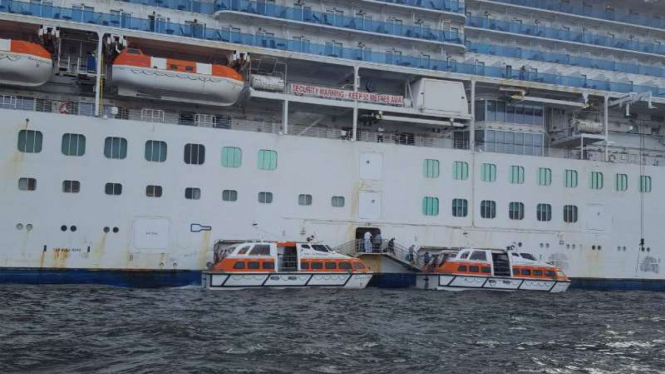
(371, 166)
(151, 234)
(595, 217)
(369, 205)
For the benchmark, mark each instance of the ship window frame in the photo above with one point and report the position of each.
(486, 270)
(544, 212)
(645, 184)
(113, 188)
(194, 154)
(516, 211)
(330, 265)
(268, 265)
(305, 199)
(460, 170)
(537, 273)
(488, 172)
(265, 197)
(430, 206)
(261, 248)
(460, 208)
(239, 265)
(596, 180)
(478, 255)
(71, 186)
(571, 178)
(474, 269)
(516, 174)
(544, 176)
(337, 201)
(27, 184)
(462, 268)
(192, 193)
(304, 265)
(231, 157)
(431, 168)
(156, 151)
(488, 209)
(525, 272)
(267, 159)
(73, 144)
(344, 265)
(30, 141)
(230, 195)
(570, 213)
(115, 147)
(317, 265)
(154, 190)
(242, 251)
(253, 265)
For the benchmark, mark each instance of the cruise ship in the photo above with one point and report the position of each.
(139, 136)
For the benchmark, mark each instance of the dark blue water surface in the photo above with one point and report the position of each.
(86, 329)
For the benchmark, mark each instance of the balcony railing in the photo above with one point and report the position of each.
(454, 6)
(336, 20)
(610, 14)
(329, 49)
(567, 35)
(562, 58)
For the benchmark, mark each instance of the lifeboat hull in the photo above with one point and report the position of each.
(20, 69)
(176, 86)
(451, 282)
(215, 280)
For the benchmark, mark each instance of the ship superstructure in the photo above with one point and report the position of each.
(167, 128)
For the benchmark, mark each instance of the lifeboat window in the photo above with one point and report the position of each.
(331, 265)
(358, 265)
(474, 269)
(549, 273)
(516, 271)
(253, 265)
(260, 250)
(269, 265)
(134, 51)
(320, 248)
(239, 265)
(526, 272)
(317, 265)
(464, 255)
(478, 256)
(461, 268)
(189, 68)
(305, 246)
(487, 270)
(173, 67)
(516, 254)
(244, 249)
(528, 256)
(304, 265)
(345, 265)
(538, 273)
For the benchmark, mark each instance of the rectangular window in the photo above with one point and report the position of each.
(460, 170)
(544, 176)
(621, 182)
(517, 175)
(488, 172)
(516, 211)
(230, 195)
(488, 209)
(155, 151)
(265, 197)
(115, 148)
(431, 168)
(570, 213)
(267, 159)
(73, 144)
(27, 184)
(304, 199)
(192, 193)
(195, 154)
(645, 183)
(231, 157)
(431, 206)
(596, 180)
(337, 201)
(571, 179)
(114, 189)
(30, 141)
(544, 212)
(153, 191)
(71, 186)
(460, 207)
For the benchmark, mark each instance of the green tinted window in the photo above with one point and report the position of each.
(231, 157)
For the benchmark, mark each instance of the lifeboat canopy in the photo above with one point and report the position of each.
(24, 63)
(137, 74)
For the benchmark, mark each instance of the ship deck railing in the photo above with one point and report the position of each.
(201, 31)
(407, 256)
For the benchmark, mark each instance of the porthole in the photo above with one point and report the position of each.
(624, 249)
(567, 246)
(115, 230)
(28, 226)
(547, 245)
(519, 244)
(106, 229)
(593, 247)
(573, 246)
(600, 247)
(63, 228)
(73, 228)
(541, 245)
(619, 248)
(648, 249)
(19, 226)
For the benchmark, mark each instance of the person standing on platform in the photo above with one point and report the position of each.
(377, 242)
(368, 241)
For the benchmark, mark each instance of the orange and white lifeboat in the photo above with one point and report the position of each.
(24, 64)
(491, 269)
(284, 265)
(136, 74)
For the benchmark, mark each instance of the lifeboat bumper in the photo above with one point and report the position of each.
(452, 282)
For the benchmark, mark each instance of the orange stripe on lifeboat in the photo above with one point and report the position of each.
(28, 48)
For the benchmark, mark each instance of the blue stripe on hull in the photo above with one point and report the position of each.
(393, 280)
(598, 284)
(112, 277)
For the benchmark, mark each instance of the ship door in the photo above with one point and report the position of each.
(373, 246)
(501, 264)
(287, 258)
